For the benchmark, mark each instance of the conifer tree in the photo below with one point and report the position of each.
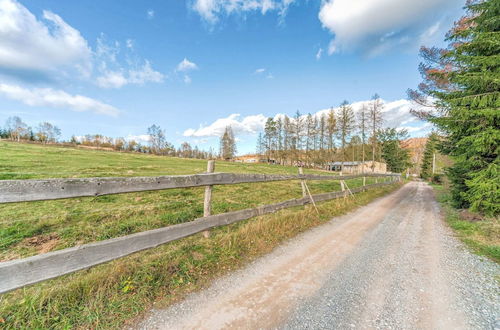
(464, 81)
(429, 151)
(227, 144)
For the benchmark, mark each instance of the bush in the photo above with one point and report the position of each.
(437, 178)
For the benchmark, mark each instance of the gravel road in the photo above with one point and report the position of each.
(392, 264)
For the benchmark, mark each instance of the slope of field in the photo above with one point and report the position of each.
(106, 295)
(30, 228)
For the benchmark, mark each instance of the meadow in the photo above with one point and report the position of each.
(110, 294)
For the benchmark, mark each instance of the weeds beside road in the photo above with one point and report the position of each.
(481, 234)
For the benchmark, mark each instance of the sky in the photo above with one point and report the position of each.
(196, 66)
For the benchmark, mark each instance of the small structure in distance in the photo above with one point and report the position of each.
(357, 167)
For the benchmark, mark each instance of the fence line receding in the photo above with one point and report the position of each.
(21, 272)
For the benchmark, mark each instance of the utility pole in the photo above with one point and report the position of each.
(433, 163)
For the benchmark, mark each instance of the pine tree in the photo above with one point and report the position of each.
(464, 79)
(427, 158)
(396, 158)
(227, 144)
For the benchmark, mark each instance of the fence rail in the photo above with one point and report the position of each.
(21, 272)
(48, 189)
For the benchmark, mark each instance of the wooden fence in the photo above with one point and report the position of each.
(21, 272)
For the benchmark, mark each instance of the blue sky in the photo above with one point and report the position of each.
(116, 67)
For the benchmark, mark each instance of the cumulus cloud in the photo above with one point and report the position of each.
(259, 71)
(245, 125)
(29, 44)
(395, 114)
(186, 65)
(49, 47)
(48, 97)
(377, 25)
(150, 13)
(211, 10)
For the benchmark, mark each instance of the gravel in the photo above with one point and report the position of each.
(392, 264)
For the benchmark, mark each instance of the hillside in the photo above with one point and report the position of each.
(119, 290)
(416, 147)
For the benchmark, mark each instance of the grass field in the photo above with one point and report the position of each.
(108, 295)
(482, 235)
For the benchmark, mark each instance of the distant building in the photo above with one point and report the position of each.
(357, 167)
(247, 159)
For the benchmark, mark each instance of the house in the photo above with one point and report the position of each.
(357, 167)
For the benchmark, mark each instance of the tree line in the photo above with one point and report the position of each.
(461, 86)
(337, 135)
(16, 129)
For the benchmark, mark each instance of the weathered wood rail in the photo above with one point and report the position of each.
(21, 272)
(37, 190)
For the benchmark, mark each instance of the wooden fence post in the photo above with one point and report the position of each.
(207, 203)
(303, 183)
(364, 181)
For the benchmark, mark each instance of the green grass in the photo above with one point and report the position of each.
(65, 223)
(482, 237)
(108, 295)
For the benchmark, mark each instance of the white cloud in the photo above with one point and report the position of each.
(186, 65)
(370, 24)
(113, 74)
(187, 79)
(48, 97)
(34, 45)
(319, 53)
(138, 76)
(395, 114)
(141, 138)
(112, 79)
(210, 10)
(261, 71)
(49, 47)
(150, 13)
(246, 125)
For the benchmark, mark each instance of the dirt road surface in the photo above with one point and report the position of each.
(392, 264)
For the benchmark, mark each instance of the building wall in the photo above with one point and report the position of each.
(365, 168)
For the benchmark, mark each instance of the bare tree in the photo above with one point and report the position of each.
(186, 151)
(375, 122)
(298, 126)
(46, 132)
(363, 126)
(346, 124)
(17, 128)
(157, 139)
(331, 130)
